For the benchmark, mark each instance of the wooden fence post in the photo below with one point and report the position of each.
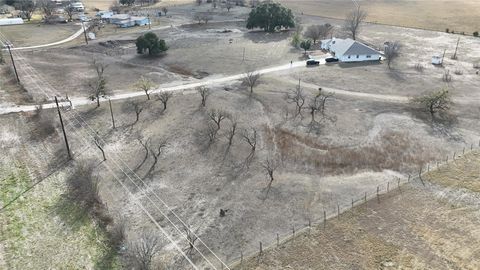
(293, 229)
(241, 257)
(408, 178)
(454, 155)
(463, 152)
(278, 240)
(378, 195)
(338, 211)
(352, 204)
(260, 247)
(324, 218)
(428, 167)
(398, 184)
(388, 186)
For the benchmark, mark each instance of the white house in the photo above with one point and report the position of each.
(349, 50)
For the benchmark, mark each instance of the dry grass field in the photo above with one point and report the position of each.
(457, 15)
(416, 227)
(38, 34)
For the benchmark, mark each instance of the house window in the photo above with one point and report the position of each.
(358, 56)
(369, 56)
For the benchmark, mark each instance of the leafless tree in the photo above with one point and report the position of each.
(136, 106)
(392, 52)
(165, 10)
(164, 97)
(203, 16)
(191, 238)
(317, 104)
(143, 250)
(204, 93)
(354, 20)
(270, 165)
(251, 78)
(47, 7)
(317, 32)
(145, 146)
(82, 187)
(212, 131)
(44, 124)
(145, 85)
(70, 10)
(217, 116)
(251, 139)
(98, 85)
(434, 102)
(156, 152)
(229, 5)
(96, 140)
(232, 131)
(298, 98)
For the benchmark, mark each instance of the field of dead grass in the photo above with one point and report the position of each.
(457, 15)
(461, 173)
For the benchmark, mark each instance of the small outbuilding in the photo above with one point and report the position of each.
(11, 21)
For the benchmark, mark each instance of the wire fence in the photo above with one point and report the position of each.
(382, 189)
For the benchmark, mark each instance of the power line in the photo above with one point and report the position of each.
(28, 67)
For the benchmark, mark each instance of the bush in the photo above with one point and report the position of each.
(475, 34)
(458, 72)
(419, 67)
(447, 30)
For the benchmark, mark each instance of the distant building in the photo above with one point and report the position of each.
(349, 50)
(11, 21)
(104, 14)
(125, 20)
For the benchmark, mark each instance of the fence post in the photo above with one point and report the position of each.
(446, 160)
(388, 186)
(260, 247)
(278, 240)
(454, 155)
(471, 147)
(338, 211)
(378, 195)
(309, 226)
(428, 167)
(352, 204)
(398, 183)
(241, 257)
(463, 152)
(324, 218)
(408, 178)
(293, 229)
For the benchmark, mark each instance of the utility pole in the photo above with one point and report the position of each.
(243, 54)
(111, 113)
(149, 22)
(63, 129)
(13, 63)
(84, 32)
(456, 48)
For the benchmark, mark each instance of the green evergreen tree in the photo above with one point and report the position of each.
(151, 43)
(269, 16)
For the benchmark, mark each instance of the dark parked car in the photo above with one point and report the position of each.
(331, 60)
(313, 62)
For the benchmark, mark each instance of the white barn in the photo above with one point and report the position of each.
(349, 50)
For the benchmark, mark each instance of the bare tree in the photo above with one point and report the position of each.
(164, 97)
(251, 139)
(136, 106)
(191, 238)
(70, 10)
(217, 116)
(229, 5)
(392, 52)
(232, 131)
(156, 152)
(354, 20)
(298, 98)
(270, 165)
(27, 7)
(143, 250)
(212, 131)
(434, 102)
(47, 7)
(204, 93)
(98, 86)
(251, 78)
(165, 10)
(144, 144)
(203, 16)
(96, 140)
(313, 33)
(317, 104)
(145, 85)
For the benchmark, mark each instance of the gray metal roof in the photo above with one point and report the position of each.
(352, 47)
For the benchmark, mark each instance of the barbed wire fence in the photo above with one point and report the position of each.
(382, 189)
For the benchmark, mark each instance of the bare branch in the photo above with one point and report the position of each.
(204, 93)
(164, 97)
(251, 78)
(354, 20)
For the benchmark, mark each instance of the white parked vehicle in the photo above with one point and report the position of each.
(78, 6)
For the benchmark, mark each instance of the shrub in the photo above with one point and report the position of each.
(447, 30)
(150, 43)
(458, 72)
(419, 67)
(475, 34)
